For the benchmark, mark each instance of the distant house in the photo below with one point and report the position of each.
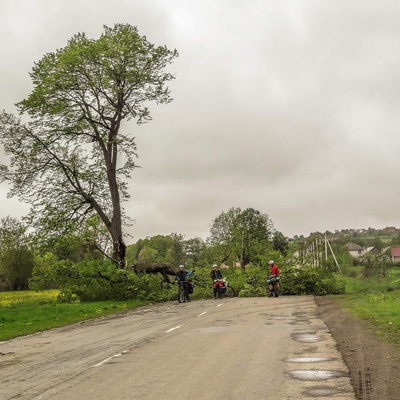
(368, 250)
(395, 253)
(354, 249)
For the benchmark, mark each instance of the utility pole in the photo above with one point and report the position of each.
(337, 264)
(241, 256)
(326, 249)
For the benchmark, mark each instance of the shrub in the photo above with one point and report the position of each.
(50, 273)
(96, 280)
(310, 280)
(254, 282)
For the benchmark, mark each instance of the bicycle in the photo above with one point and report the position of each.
(222, 289)
(228, 291)
(183, 292)
(225, 290)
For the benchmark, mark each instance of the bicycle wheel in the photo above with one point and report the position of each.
(229, 292)
(181, 294)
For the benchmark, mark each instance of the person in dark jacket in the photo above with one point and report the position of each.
(181, 278)
(216, 276)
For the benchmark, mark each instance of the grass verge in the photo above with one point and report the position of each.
(23, 313)
(376, 300)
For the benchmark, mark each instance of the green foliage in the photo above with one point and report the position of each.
(375, 264)
(280, 243)
(277, 257)
(172, 249)
(16, 256)
(100, 280)
(46, 272)
(309, 280)
(343, 257)
(196, 253)
(375, 299)
(87, 241)
(243, 235)
(375, 284)
(158, 249)
(395, 241)
(93, 280)
(254, 285)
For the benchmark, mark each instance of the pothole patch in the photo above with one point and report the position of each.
(306, 337)
(316, 375)
(322, 391)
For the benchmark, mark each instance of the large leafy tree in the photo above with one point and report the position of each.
(241, 235)
(71, 158)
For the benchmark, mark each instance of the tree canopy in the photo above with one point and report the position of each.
(72, 157)
(241, 235)
(16, 256)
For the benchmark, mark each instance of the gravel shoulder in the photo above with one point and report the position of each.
(374, 365)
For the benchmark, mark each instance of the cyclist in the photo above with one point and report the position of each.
(216, 276)
(181, 278)
(273, 279)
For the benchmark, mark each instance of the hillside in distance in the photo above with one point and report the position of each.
(389, 235)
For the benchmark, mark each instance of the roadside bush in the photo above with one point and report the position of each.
(202, 283)
(310, 280)
(50, 272)
(96, 280)
(255, 285)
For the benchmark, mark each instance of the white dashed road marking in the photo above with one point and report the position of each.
(172, 329)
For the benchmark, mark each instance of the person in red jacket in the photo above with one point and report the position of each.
(274, 268)
(273, 279)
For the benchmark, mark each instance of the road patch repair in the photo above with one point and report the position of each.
(319, 370)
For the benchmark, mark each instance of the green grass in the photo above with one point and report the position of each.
(22, 313)
(376, 300)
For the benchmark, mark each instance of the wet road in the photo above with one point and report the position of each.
(256, 348)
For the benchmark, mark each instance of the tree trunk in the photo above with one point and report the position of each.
(120, 251)
(111, 156)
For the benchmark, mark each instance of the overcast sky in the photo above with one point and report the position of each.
(286, 106)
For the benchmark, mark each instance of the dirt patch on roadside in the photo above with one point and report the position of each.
(373, 364)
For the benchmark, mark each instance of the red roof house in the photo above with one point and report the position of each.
(395, 253)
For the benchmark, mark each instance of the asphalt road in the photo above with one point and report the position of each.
(252, 348)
